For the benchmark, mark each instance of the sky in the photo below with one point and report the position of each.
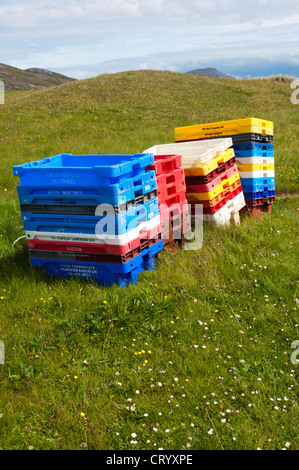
(85, 38)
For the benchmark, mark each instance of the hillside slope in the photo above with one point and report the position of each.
(33, 78)
(131, 111)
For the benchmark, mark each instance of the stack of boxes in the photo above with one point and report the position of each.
(173, 206)
(95, 217)
(256, 165)
(253, 146)
(105, 217)
(213, 187)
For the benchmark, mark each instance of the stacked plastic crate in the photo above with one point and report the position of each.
(212, 178)
(256, 165)
(254, 150)
(173, 206)
(94, 217)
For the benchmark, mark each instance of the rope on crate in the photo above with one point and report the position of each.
(20, 238)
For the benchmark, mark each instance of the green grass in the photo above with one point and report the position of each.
(204, 338)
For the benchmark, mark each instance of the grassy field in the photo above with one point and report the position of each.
(197, 355)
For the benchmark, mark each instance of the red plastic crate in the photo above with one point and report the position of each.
(166, 192)
(173, 245)
(197, 180)
(231, 189)
(171, 177)
(180, 222)
(215, 204)
(172, 237)
(226, 165)
(237, 189)
(175, 229)
(260, 201)
(207, 209)
(96, 257)
(208, 202)
(170, 200)
(166, 212)
(214, 183)
(99, 248)
(257, 211)
(165, 163)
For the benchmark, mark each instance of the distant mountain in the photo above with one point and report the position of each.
(33, 78)
(209, 72)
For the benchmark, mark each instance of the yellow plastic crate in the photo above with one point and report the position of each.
(210, 166)
(224, 128)
(258, 167)
(215, 192)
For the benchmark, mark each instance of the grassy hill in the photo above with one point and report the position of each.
(197, 355)
(33, 78)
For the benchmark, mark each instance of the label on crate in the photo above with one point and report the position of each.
(64, 192)
(82, 270)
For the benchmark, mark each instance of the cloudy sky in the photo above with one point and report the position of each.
(83, 38)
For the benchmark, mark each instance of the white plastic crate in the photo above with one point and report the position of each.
(257, 174)
(220, 217)
(236, 204)
(194, 154)
(88, 238)
(255, 160)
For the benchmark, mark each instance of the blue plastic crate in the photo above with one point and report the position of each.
(104, 223)
(115, 195)
(105, 274)
(254, 153)
(69, 170)
(257, 184)
(258, 194)
(74, 206)
(253, 147)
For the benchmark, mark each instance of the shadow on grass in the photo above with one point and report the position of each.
(17, 265)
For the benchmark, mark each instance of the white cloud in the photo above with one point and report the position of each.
(96, 33)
